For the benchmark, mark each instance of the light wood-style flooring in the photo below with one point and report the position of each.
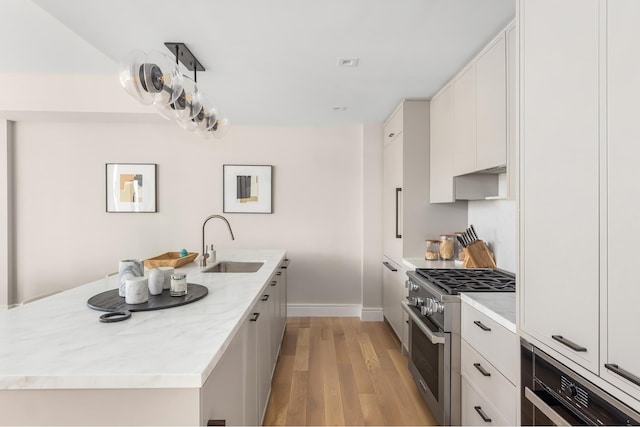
(342, 371)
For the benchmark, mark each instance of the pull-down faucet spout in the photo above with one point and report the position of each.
(205, 255)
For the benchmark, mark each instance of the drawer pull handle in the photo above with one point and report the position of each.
(482, 326)
(624, 374)
(265, 298)
(391, 135)
(482, 414)
(482, 370)
(573, 346)
(389, 266)
(255, 317)
(275, 282)
(422, 385)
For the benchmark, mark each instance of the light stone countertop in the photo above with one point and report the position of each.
(499, 306)
(413, 263)
(58, 343)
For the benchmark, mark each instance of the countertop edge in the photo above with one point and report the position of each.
(500, 319)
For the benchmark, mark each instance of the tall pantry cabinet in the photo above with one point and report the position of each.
(579, 132)
(408, 217)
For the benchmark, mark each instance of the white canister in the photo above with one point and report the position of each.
(156, 281)
(168, 272)
(137, 290)
(128, 268)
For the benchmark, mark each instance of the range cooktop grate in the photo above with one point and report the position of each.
(454, 281)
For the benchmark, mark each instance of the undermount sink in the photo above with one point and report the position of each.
(234, 267)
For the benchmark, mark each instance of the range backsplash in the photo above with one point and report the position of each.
(496, 224)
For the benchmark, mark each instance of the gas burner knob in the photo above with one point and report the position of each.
(426, 310)
(410, 285)
(416, 301)
(437, 306)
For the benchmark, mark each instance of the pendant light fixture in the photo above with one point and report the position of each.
(154, 78)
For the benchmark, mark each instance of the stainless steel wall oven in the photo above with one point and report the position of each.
(552, 394)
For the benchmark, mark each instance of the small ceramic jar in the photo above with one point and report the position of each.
(137, 290)
(156, 281)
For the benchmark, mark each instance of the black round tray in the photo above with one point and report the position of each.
(111, 301)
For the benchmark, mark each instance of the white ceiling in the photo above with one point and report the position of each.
(269, 62)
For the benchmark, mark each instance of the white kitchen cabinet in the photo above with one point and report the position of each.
(464, 107)
(393, 291)
(393, 198)
(477, 410)
(621, 293)
(222, 395)
(442, 189)
(559, 177)
(491, 106)
(252, 414)
(408, 217)
(263, 344)
(489, 367)
(473, 127)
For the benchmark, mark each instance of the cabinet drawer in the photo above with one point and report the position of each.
(476, 411)
(393, 126)
(495, 342)
(491, 384)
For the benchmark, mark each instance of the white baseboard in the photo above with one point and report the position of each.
(371, 314)
(324, 310)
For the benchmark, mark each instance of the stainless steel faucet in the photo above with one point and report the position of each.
(205, 255)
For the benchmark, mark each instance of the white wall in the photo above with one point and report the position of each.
(65, 238)
(372, 221)
(496, 224)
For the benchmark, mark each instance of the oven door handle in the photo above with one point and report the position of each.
(544, 408)
(434, 337)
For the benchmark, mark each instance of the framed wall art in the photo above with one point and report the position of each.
(132, 187)
(247, 188)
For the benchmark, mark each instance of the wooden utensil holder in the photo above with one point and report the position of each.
(478, 256)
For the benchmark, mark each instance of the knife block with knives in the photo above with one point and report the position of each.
(477, 254)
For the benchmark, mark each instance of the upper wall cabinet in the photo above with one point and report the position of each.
(471, 118)
(491, 107)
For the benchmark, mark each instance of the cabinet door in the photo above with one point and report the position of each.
(464, 89)
(264, 360)
(274, 307)
(391, 296)
(623, 150)
(222, 395)
(559, 199)
(491, 101)
(441, 182)
(392, 199)
(251, 415)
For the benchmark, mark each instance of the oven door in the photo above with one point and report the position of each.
(430, 364)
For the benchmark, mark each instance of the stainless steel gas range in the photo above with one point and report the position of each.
(433, 306)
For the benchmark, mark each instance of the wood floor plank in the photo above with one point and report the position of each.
(297, 407)
(342, 371)
(333, 409)
(352, 410)
(280, 392)
(302, 350)
(315, 387)
(369, 352)
(371, 410)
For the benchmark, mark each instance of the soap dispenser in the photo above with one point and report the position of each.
(211, 259)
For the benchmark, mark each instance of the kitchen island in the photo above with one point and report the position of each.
(60, 366)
